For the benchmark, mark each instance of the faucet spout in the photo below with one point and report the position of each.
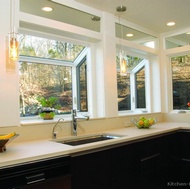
(74, 121)
(54, 133)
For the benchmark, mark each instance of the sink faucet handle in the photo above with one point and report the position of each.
(87, 117)
(74, 112)
(54, 135)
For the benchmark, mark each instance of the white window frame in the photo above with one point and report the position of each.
(170, 82)
(61, 63)
(145, 63)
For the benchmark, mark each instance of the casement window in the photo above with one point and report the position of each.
(131, 86)
(45, 70)
(180, 66)
(82, 97)
(140, 88)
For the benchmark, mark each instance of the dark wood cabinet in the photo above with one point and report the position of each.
(151, 163)
(47, 173)
(147, 163)
(157, 162)
(93, 170)
(126, 167)
(184, 172)
(62, 182)
(185, 144)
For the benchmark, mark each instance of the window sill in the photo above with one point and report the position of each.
(180, 112)
(133, 112)
(38, 121)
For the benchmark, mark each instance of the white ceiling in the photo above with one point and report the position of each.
(152, 14)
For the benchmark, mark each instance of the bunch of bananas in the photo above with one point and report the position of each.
(7, 136)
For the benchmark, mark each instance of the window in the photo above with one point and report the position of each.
(47, 48)
(124, 92)
(44, 80)
(79, 17)
(180, 81)
(136, 36)
(140, 88)
(131, 86)
(45, 70)
(82, 86)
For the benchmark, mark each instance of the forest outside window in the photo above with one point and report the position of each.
(140, 88)
(82, 86)
(45, 70)
(41, 80)
(180, 66)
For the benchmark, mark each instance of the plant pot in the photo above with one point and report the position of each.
(47, 114)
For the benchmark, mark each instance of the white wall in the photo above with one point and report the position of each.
(103, 66)
(44, 130)
(103, 63)
(9, 89)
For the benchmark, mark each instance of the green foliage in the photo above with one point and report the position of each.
(47, 102)
(48, 48)
(45, 115)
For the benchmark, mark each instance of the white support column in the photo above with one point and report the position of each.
(109, 62)
(9, 87)
(104, 70)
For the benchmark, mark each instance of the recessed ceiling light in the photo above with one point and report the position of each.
(129, 35)
(170, 23)
(47, 9)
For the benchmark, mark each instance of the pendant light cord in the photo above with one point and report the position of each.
(12, 16)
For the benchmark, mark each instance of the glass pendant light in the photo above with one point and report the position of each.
(13, 41)
(123, 65)
(13, 46)
(122, 60)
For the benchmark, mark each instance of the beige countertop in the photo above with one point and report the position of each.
(21, 152)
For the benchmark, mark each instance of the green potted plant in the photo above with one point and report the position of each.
(48, 107)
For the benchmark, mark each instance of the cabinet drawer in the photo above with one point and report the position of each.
(34, 172)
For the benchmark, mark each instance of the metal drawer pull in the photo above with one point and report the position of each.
(35, 178)
(150, 157)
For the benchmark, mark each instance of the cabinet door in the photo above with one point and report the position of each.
(185, 144)
(185, 157)
(171, 155)
(45, 173)
(93, 170)
(146, 164)
(159, 161)
(126, 167)
(151, 172)
(151, 163)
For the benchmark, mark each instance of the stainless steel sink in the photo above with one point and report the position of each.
(87, 139)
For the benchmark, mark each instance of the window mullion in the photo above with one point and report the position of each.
(133, 91)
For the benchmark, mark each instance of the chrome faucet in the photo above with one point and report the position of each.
(74, 121)
(54, 133)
